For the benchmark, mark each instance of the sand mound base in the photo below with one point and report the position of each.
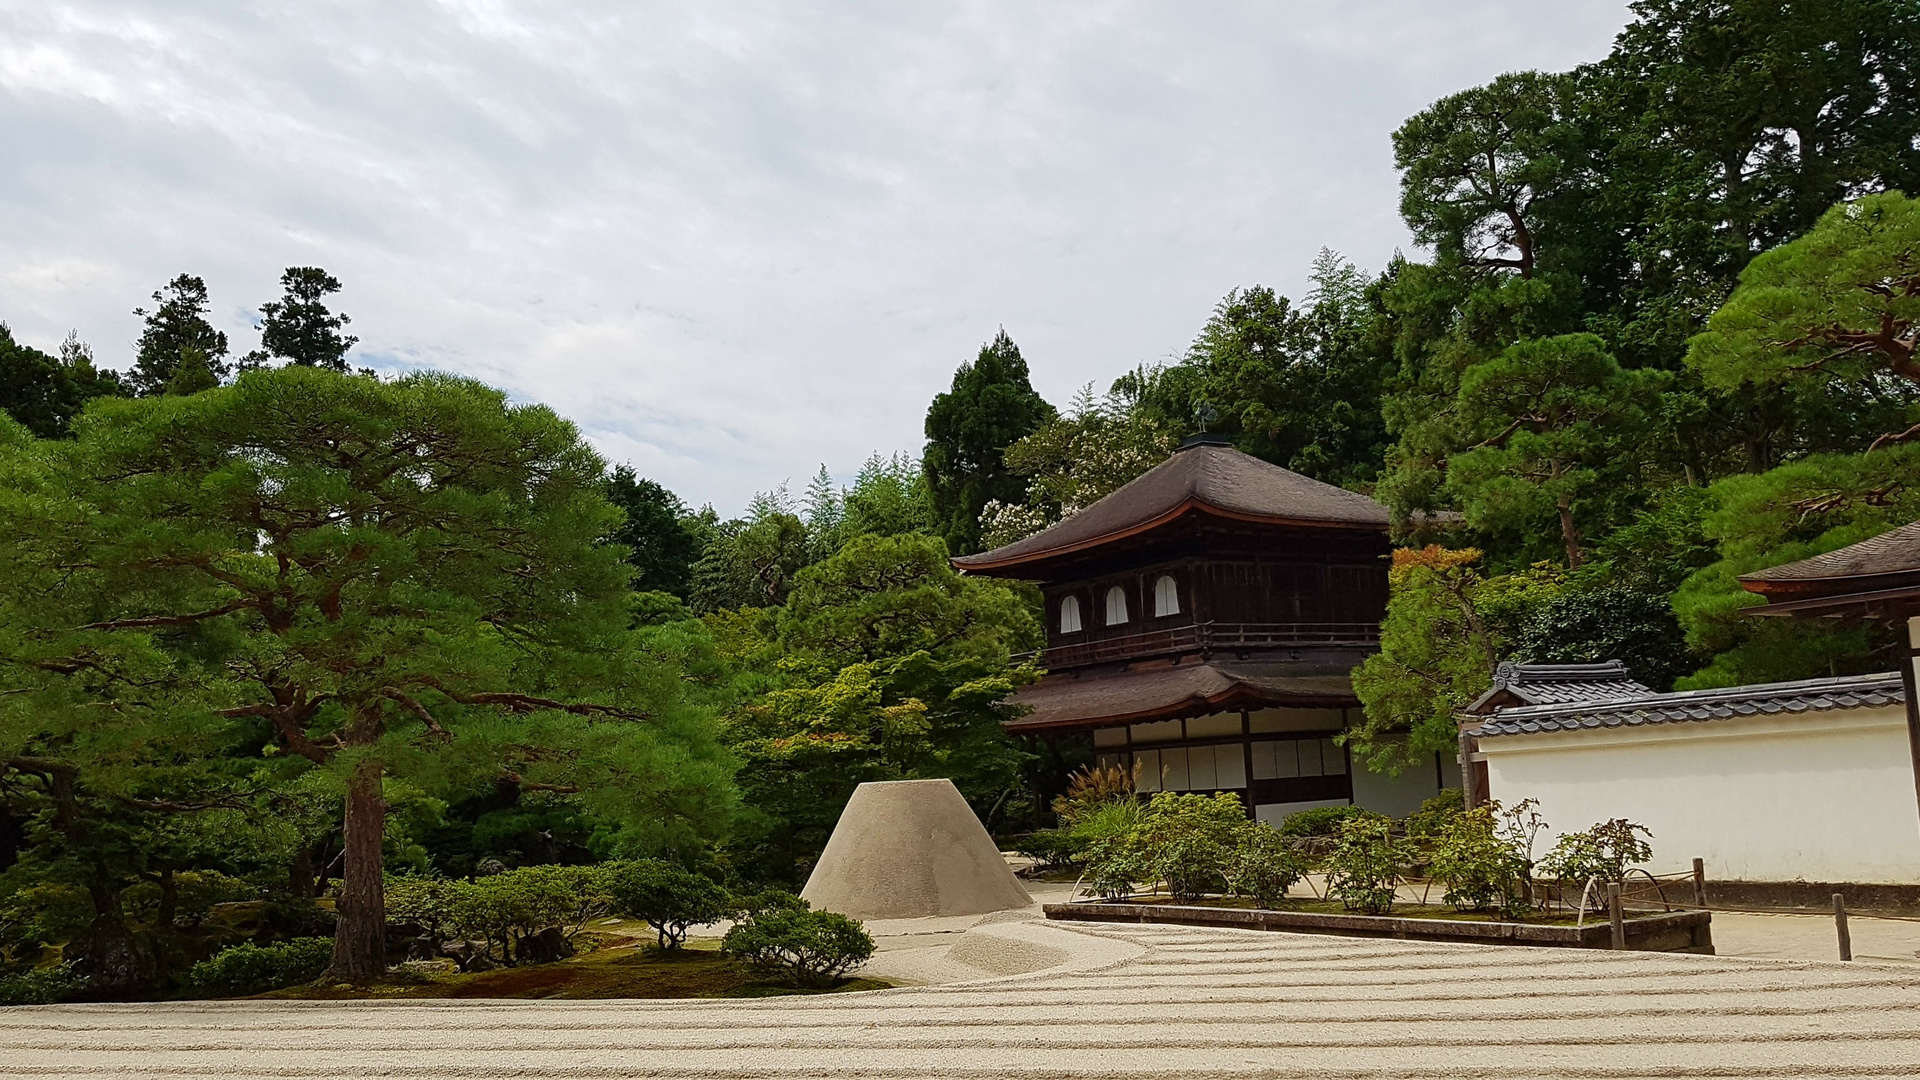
(907, 849)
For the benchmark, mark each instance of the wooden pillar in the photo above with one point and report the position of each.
(1912, 700)
(1469, 778)
(1616, 916)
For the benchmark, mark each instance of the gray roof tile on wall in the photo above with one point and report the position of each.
(1804, 695)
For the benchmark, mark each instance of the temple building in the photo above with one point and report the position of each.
(1202, 622)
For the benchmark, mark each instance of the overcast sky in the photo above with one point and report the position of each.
(732, 241)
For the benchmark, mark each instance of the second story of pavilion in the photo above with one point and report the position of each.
(1210, 553)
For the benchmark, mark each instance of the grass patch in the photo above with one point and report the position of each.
(616, 971)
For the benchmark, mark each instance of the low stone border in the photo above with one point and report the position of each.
(1674, 931)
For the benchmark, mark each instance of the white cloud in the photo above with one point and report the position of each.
(731, 240)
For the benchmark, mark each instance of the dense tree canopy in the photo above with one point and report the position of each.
(298, 328)
(44, 393)
(991, 405)
(417, 588)
(176, 328)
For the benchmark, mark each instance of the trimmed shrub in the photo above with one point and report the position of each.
(811, 948)
(1321, 821)
(1482, 864)
(1365, 863)
(255, 969)
(1437, 813)
(40, 986)
(669, 899)
(1264, 865)
(1189, 841)
(515, 910)
(1050, 849)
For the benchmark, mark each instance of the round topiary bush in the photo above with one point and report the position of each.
(812, 948)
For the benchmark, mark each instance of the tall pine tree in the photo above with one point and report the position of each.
(991, 406)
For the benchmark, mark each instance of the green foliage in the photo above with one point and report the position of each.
(749, 563)
(339, 575)
(1483, 864)
(1437, 653)
(1070, 462)
(1189, 841)
(660, 547)
(1264, 865)
(891, 666)
(1551, 420)
(991, 406)
(44, 393)
(1606, 851)
(811, 948)
(888, 596)
(1365, 864)
(1838, 305)
(298, 328)
(242, 970)
(1796, 511)
(431, 903)
(1050, 849)
(509, 910)
(176, 329)
(1297, 386)
(1436, 814)
(40, 986)
(1320, 821)
(666, 897)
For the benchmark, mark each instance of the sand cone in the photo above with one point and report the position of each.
(905, 849)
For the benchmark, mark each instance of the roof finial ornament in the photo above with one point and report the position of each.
(1204, 414)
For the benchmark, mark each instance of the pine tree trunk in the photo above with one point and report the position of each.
(360, 935)
(117, 964)
(1576, 557)
(300, 873)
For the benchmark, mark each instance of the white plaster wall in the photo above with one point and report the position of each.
(1814, 797)
(1398, 796)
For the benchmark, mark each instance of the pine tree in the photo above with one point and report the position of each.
(991, 406)
(298, 328)
(177, 322)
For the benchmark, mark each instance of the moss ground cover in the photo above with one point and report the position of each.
(624, 966)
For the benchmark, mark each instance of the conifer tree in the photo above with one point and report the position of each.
(176, 323)
(991, 406)
(381, 579)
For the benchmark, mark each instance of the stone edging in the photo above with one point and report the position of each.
(1676, 931)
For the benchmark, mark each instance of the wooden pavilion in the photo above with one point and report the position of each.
(1876, 579)
(1201, 625)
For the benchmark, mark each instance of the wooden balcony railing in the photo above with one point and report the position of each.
(1208, 637)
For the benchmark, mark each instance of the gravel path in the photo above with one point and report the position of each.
(1181, 1003)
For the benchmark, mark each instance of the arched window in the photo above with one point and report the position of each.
(1116, 606)
(1166, 597)
(1070, 615)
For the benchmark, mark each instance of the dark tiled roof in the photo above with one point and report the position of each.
(1802, 696)
(1550, 684)
(1894, 552)
(1162, 691)
(1202, 476)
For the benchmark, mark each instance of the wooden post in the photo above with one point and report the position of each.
(1699, 883)
(1840, 926)
(1912, 696)
(1615, 915)
(1469, 790)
